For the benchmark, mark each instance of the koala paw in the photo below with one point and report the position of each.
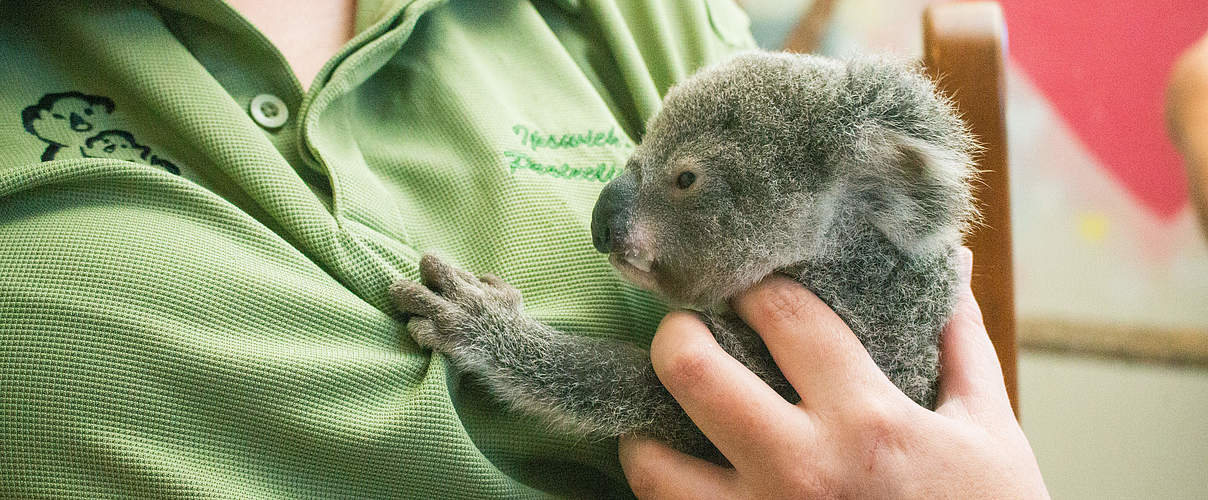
(452, 310)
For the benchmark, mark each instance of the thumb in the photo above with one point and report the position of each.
(971, 381)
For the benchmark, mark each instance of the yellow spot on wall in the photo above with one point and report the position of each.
(1093, 226)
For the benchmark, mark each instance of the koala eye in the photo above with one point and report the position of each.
(56, 115)
(685, 180)
(88, 111)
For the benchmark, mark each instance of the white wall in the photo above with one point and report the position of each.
(1107, 429)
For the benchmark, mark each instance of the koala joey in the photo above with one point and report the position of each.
(853, 177)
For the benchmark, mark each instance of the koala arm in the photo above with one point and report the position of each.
(599, 387)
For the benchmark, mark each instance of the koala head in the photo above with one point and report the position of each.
(771, 160)
(67, 118)
(115, 144)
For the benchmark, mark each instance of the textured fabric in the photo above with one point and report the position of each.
(192, 305)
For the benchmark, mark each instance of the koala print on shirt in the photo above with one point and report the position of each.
(120, 145)
(77, 125)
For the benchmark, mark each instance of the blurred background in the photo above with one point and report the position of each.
(1111, 267)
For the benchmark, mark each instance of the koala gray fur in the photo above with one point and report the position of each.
(852, 177)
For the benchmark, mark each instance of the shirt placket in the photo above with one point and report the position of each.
(258, 78)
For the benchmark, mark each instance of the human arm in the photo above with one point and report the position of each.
(1187, 120)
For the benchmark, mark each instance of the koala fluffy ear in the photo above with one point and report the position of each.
(927, 201)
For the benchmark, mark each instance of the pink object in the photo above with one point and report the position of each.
(1104, 66)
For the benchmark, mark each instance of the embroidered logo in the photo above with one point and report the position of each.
(535, 141)
(602, 172)
(77, 125)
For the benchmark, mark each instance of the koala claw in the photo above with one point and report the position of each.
(451, 306)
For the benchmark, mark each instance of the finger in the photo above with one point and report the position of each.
(736, 410)
(445, 279)
(814, 349)
(417, 299)
(971, 380)
(656, 471)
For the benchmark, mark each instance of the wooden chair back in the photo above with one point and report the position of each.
(964, 46)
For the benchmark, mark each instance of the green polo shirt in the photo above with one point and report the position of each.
(195, 253)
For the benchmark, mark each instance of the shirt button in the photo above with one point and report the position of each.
(269, 111)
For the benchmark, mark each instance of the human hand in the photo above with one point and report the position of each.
(854, 435)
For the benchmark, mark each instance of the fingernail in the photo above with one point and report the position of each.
(964, 265)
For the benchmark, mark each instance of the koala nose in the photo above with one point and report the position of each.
(601, 236)
(609, 219)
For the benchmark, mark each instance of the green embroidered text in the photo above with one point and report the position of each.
(535, 139)
(602, 172)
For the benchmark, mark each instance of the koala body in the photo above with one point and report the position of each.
(851, 177)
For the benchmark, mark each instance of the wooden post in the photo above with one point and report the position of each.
(964, 46)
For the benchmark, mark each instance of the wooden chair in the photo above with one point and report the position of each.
(964, 46)
(1187, 120)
